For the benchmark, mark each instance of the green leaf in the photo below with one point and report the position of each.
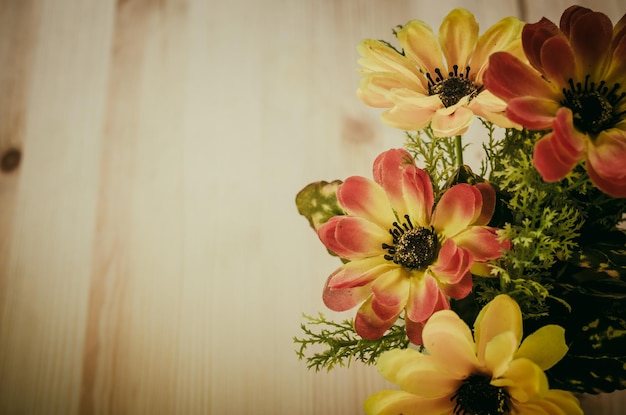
(318, 202)
(595, 362)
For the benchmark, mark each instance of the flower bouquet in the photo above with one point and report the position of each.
(491, 289)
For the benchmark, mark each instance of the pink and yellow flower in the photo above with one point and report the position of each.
(575, 87)
(487, 373)
(437, 82)
(402, 255)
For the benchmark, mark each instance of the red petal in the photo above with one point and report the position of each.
(590, 36)
(507, 77)
(557, 153)
(534, 35)
(557, 60)
(615, 188)
(605, 162)
(533, 113)
(489, 203)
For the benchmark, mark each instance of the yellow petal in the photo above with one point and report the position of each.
(565, 401)
(545, 347)
(378, 57)
(500, 315)
(388, 402)
(421, 46)
(556, 402)
(458, 34)
(524, 381)
(416, 373)
(498, 37)
(449, 341)
(499, 353)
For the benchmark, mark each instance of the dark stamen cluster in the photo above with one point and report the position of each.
(454, 87)
(413, 247)
(477, 396)
(593, 106)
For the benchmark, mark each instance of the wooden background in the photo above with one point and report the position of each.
(151, 257)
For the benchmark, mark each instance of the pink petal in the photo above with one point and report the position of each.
(482, 242)
(368, 324)
(345, 298)
(408, 187)
(361, 237)
(326, 233)
(423, 297)
(359, 272)
(448, 125)
(363, 197)
(458, 208)
(533, 113)
(453, 263)
(414, 329)
(353, 237)
(391, 289)
(460, 289)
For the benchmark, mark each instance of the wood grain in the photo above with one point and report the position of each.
(151, 257)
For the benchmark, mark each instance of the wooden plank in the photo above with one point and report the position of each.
(52, 223)
(151, 257)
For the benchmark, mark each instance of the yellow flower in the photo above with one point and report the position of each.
(488, 373)
(437, 82)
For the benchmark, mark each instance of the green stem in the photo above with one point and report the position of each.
(458, 145)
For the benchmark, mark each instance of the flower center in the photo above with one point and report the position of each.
(413, 247)
(476, 396)
(593, 106)
(453, 88)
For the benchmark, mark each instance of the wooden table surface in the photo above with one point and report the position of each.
(151, 257)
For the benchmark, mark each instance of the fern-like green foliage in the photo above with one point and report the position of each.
(337, 344)
(436, 155)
